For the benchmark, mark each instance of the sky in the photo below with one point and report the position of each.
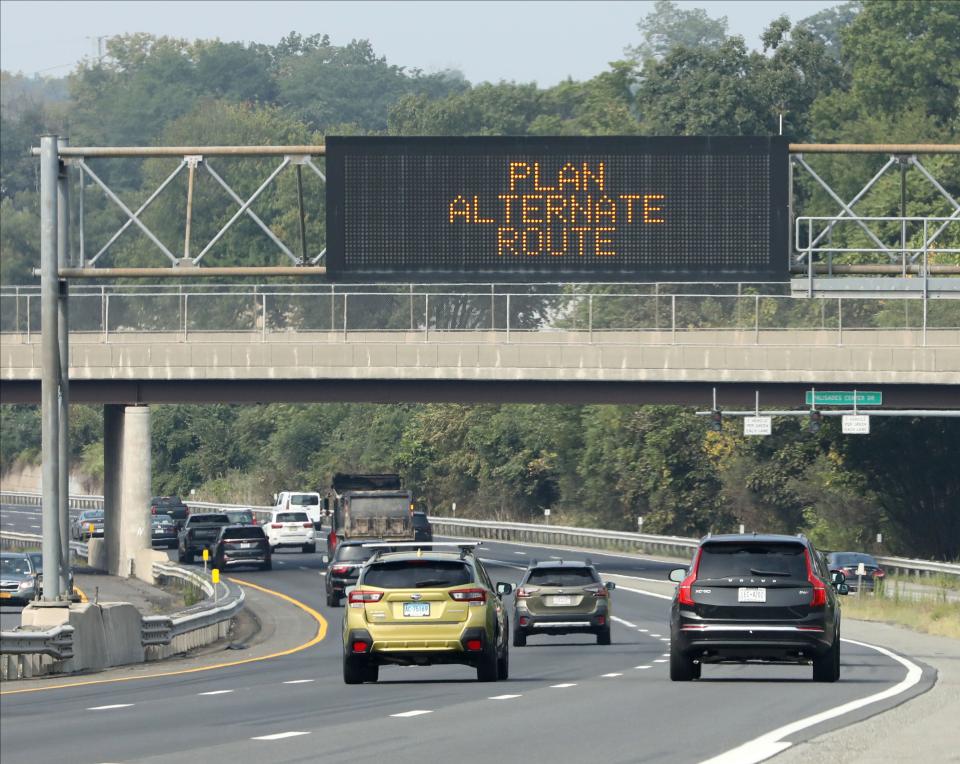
(543, 42)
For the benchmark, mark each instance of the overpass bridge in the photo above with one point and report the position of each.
(585, 343)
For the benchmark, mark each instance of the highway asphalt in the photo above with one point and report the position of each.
(567, 699)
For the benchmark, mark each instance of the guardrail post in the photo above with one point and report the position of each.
(264, 328)
(673, 319)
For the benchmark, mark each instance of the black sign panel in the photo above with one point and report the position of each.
(557, 209)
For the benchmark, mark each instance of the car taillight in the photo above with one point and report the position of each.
(474, 645)
(308, 525)
(253, 521)
(340, 569)
(276, 525)
(359, 647)
(683, 593)
(362, 596)
(819, 597)
(597, 591)
(526, 591)
(469, 595)
(153, 510)
(878, 573)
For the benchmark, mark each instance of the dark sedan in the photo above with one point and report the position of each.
(164, 531)
(422, 530)
(87, 525)
(344, 568)
(242, 545)
(849, 564)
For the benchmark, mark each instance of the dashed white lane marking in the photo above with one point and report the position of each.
(504, 697)
(643, 631)
(299, 681)
(563, 686)
(281, 562)
(554, 557)
(659, 660)
(643, 667)
(654, 635)
(610, 676)
(664, 639)
(34, 526)
(215, 692)
(323, 572)
(625, 623)
(406, 714)
(304, 567)
(107, 708)
(643, 591)
(279, 735)
(772, 743)
(519, 552)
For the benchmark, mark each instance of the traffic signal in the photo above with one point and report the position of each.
(816, 420)
(716, 420)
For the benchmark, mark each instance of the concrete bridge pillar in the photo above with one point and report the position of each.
(126, 491)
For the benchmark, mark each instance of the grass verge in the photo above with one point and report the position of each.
(930, 614)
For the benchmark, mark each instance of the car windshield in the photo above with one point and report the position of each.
(14, 566)
(304, 500)
(417, 574)
(561, 577)
(352, 553)
(292, 517)
(95, 514)
(853, 558)
(162, 520)
(726, 560)
(209, 519)
(246, 532)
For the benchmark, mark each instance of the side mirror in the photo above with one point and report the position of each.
(610, 585)
(678, 574)
(837, 577)
(503, 588)
(843, 589)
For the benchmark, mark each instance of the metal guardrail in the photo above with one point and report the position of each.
(56, 642)
(564, 535)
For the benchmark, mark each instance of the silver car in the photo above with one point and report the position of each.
(18, 579)
(88, 524)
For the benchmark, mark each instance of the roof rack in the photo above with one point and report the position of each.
(415, 544)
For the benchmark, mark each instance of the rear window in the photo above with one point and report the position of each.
(304, 500)
(852, 558)
(93, 514)
(292, 517)
(167, 501)
(247, 532)
(241, 516)
(353, 553)
(209, 520)
(726, 560)
(420, 521)
(418, 574)
(562, 577)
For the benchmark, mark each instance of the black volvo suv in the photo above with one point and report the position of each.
(756, 597)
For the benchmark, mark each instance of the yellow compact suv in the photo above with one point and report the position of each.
(418, 608)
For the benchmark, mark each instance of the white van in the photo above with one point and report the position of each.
(300, 501)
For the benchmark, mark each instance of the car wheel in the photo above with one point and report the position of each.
(333, 600)
(682, 668)
(267, 565)
(309, 548)
(826, 667)
(354, 672)
(519, 638)
(503, 664)
(603, 636)
(487, 669)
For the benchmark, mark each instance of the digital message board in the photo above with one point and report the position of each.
(557, 209)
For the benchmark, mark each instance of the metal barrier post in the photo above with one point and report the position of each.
(63, 344)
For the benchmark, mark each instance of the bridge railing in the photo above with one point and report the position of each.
(751, 315)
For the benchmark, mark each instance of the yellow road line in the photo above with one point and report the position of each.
(317, 638)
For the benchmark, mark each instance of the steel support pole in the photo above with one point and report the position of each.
(63, 344)
(50, 368)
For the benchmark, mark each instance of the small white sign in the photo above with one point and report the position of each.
(856, 424)
(546, 513)
(861, 569)
(757, 425)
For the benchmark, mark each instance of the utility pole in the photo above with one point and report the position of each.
(63, 345)
(50, 368)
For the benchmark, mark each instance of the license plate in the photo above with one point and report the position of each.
(751, 595)
(246, 546)
(5, 595)
(561, 600)
(416, 609)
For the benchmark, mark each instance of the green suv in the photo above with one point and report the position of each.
(418, 608)
(562, 597)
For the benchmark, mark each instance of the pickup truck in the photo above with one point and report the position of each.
(199, 532)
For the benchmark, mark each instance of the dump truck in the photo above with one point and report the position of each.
(374, 506)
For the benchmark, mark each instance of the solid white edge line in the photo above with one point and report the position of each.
(279, 735)
(772, 742)
(645, 592)
(624, 622)
(406, 714)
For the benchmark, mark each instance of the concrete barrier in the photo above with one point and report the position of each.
(121, 626)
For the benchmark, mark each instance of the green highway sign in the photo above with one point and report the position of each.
(843, 398)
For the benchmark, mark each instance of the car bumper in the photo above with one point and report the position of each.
(18, 597)
(751, 641)
(164, 540)
(339, 585)
(561, 623)
(388, 645)
(246, 558)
